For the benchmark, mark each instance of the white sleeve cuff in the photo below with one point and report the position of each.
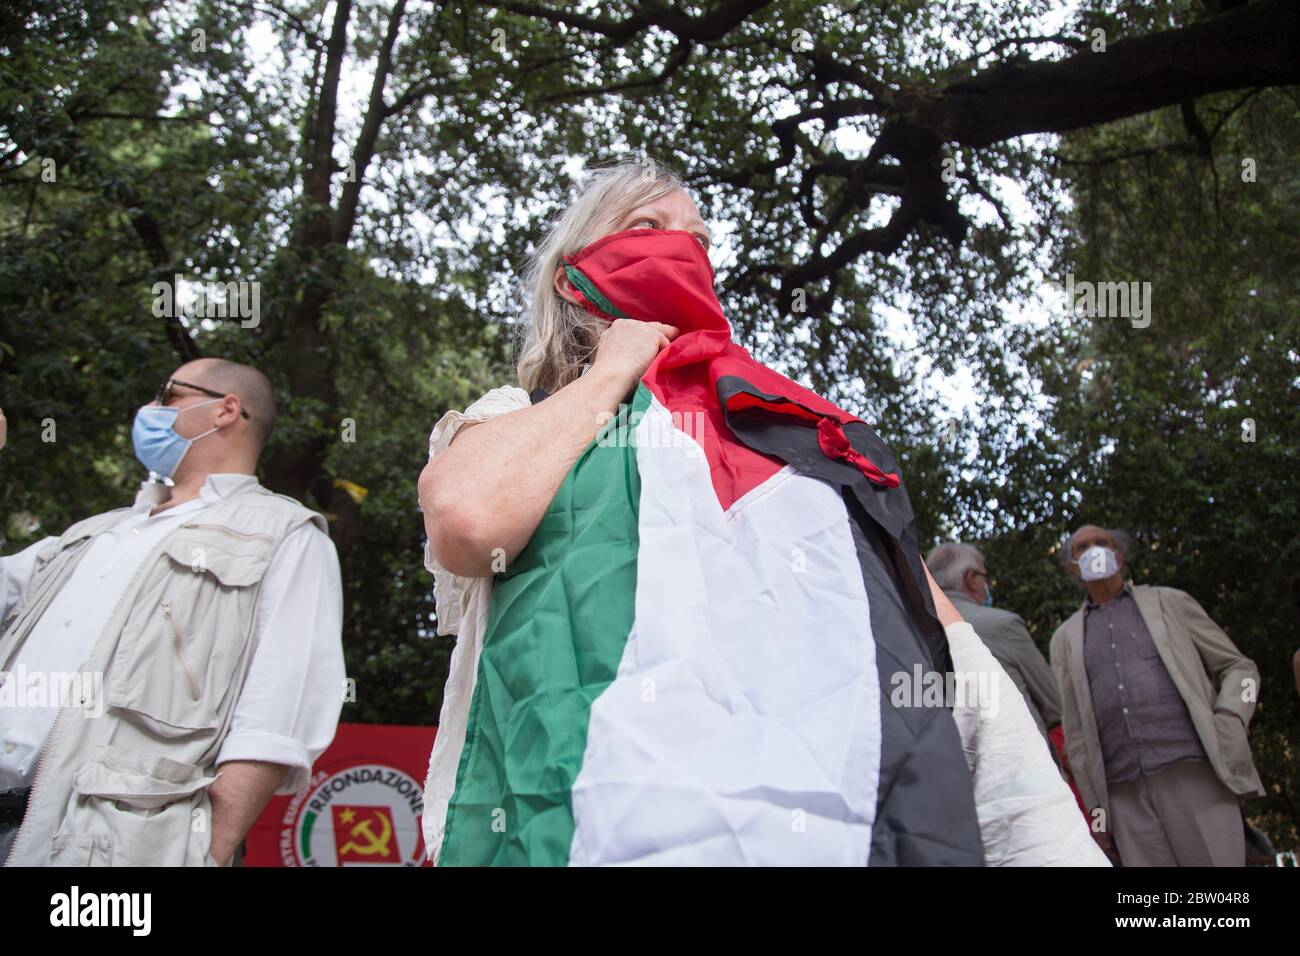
(270, 748)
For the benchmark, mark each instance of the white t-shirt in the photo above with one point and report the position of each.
(293, 695)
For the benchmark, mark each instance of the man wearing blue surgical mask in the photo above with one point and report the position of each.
(194, 640)
(166, 432)
(1156, 705)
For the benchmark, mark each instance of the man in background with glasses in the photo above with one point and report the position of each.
(166, 668)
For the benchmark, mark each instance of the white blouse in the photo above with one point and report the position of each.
(462, 606)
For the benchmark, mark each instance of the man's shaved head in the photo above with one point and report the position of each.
(251, 387)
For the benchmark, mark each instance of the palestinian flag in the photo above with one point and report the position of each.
(692, 660)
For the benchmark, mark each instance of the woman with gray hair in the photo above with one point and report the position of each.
(685, 590)
(562, 342)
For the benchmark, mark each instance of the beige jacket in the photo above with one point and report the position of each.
(124, 780)
(1218, 683)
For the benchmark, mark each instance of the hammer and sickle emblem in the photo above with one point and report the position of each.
(375, 844)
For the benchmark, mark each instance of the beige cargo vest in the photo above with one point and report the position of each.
(123, 781)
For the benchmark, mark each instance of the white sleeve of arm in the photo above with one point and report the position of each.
(290, 705)
(1027, 814)
(452, 590)
(16, 574)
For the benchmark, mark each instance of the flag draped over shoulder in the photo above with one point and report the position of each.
(692, 660)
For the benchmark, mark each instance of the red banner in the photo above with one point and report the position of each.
(362, 808)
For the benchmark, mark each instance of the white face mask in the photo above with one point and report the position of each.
(1097, 563)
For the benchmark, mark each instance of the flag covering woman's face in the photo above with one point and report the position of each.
(673, 211)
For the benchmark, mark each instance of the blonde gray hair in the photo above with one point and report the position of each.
(560, 336)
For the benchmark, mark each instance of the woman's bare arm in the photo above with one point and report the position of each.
(484, 496)
(943, 608)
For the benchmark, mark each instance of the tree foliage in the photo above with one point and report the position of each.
(895, 182)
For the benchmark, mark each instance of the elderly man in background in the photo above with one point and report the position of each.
(960, 571)
(1157, 701)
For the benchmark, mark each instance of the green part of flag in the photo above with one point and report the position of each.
(558, 624)
(594, 295)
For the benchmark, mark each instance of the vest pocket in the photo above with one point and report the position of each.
(81, 849)
(131, 808)
(178, 644)
(182, 646)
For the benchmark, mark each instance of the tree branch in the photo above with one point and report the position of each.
(1254, 45)
(676, 59)
(376, 113)
(316, 180)
(713, 25)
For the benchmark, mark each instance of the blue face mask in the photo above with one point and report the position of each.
(988, 596)
(157, 445)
